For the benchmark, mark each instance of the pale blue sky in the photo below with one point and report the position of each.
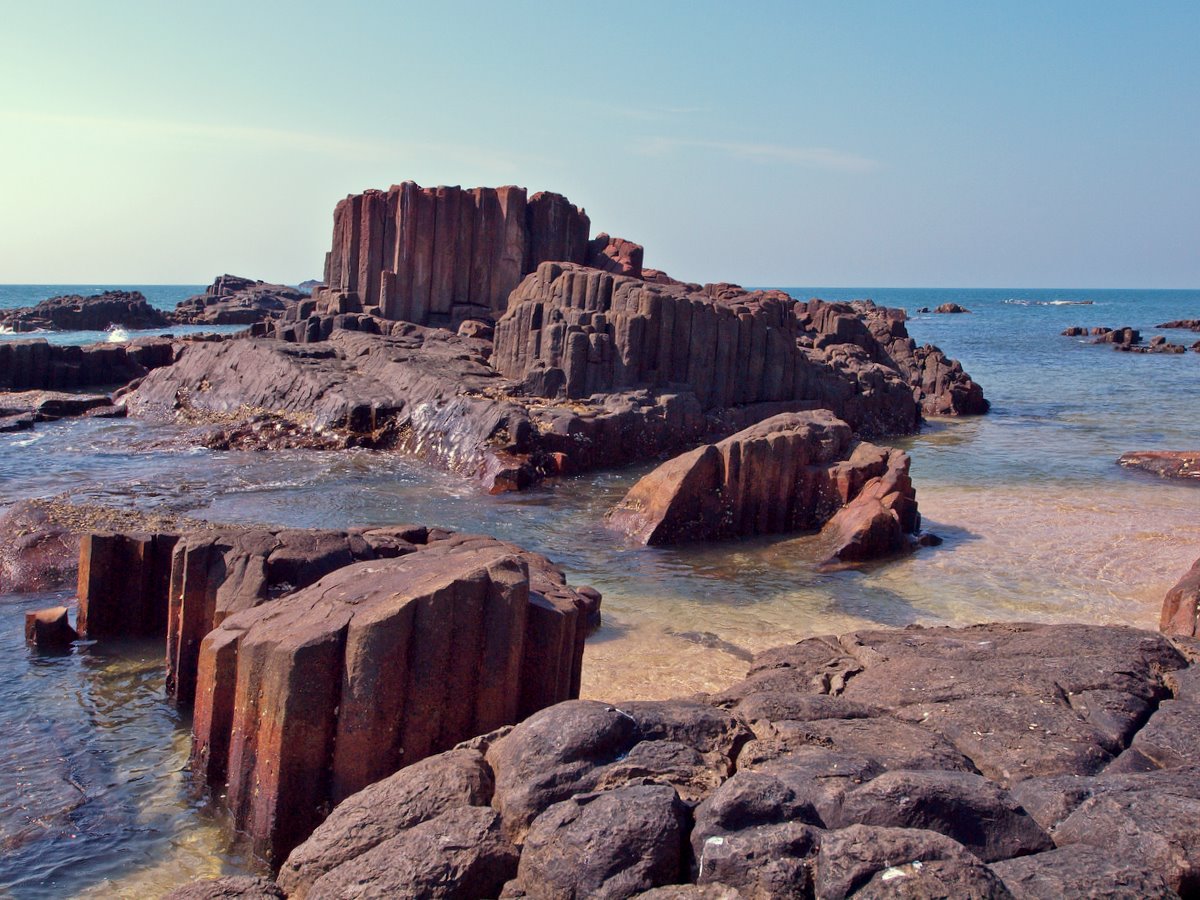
(864, 144)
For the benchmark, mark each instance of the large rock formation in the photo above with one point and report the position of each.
(304, 700)
(792, 472)
(36, 365)
(232, 300)
(572, 332)
(878, 334)
(990, 761)
(444, 254)
(129, 309)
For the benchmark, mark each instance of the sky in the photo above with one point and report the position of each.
(865, 143)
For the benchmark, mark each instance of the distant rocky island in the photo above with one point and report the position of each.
(393, 711)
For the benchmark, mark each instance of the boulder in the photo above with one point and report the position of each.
(1078, 870)
(789, 473)
(459, 855)
(765, 861)
(128, 309)
(385, 809)
(241, 887)
(49, 629)
(951, 308)
(1183, 464)
(616, 255)
(611, 844)
(1181, 606)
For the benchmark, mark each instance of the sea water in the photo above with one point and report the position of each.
(1038, 520)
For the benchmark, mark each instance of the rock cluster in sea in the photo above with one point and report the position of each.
(990, 761)
(128, 309)
(233, 300)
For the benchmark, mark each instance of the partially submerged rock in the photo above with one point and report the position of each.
(792, 472)
(1184, 464)
(49, 629)
(1181, 606)
(71, 312)
(36, 365)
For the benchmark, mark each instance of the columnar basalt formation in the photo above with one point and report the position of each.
(302, 701)
(446, 254)
(123, 581)
(36, 365)
(72, 312)
(572, 331)
(990, 761)
(792, 472)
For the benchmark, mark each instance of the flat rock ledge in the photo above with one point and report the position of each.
(1174, 464)
(1005, 760)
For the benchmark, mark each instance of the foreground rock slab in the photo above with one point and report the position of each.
(990, 761)
(1184, 464)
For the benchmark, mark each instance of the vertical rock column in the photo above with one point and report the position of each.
(123, 584)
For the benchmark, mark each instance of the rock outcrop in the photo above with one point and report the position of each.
(129, 309)
(304, 700)
(1184, 464)
(232, 300)
(877, 334)
(990, 761)
(36, 365)
(572, 332)
(1187, 324)
(1181, 606)
(441, 255)
(792, 472)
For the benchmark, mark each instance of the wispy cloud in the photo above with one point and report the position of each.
(812, 157)
(343, 147)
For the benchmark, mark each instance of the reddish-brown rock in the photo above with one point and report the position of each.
(123, 584)
(792, 472)
(616, 255)
(1181, 607)
(304, 700)
(441, 255)
(951, 308)
(49, 628)
(35, 365)
(1164, 463)
(881, 519)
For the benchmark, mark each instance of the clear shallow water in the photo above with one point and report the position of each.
(1039, 524)
(160, 296)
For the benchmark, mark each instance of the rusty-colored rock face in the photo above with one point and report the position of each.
(304, 700)
(447, 254)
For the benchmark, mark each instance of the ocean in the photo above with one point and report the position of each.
(1038, 520)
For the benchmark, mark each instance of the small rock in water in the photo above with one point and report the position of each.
(49, 628)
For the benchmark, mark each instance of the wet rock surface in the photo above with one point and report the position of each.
(991, 761)
(71, 312)
(1184, 464)
(233, 300)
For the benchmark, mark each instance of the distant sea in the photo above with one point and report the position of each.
(1039, 524)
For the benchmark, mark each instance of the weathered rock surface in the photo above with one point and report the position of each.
(40, 539)
(232, 300)
(441, 255)
(239, 887)
(792, 472)
(918, 763)
(572, 332)
(951, 308)
(1181, 606)
(878, 334)
(1183, 464)
(36, 365)
(123, 581)
(49, 629)
(304, 700)
(72, 312)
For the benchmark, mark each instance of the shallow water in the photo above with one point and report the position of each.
(1039, 524)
